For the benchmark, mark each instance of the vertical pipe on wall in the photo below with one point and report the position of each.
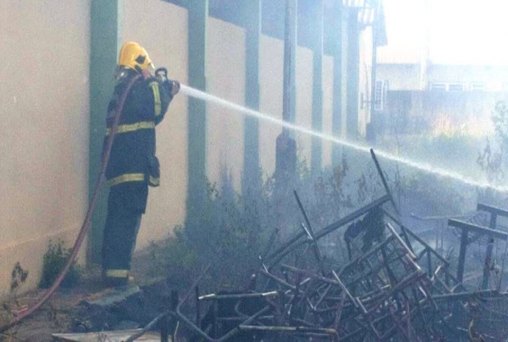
(285, 144)
(103, 52)
(196, 135)
(336, 37)
(353, 67)
(371, 125)
(290, 43)
(317, 89)
(251, 178)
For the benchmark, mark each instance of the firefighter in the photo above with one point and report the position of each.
(132, 166)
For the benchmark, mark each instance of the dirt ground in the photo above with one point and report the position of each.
(56, 315)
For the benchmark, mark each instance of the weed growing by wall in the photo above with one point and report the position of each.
(11, 305)
(493, 159)
(18, 277)
(229, 234)
(53, 262)
(234, 230)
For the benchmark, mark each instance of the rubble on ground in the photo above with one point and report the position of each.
(394, 287)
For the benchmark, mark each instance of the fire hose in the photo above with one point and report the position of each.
(88, 218)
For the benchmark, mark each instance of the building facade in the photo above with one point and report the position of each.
(60, 69)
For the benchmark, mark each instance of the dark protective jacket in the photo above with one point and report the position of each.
(132, 163)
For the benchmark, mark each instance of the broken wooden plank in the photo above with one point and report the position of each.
(112, 296)
(110, 336)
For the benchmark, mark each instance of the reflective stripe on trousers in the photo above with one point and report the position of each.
(117, 273)
(127, 177)
(127, 128)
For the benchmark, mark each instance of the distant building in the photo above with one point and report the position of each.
(417, 88)
(424, 98)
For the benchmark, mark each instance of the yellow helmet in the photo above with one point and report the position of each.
(134, 56)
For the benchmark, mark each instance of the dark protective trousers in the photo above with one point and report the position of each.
(120, 232)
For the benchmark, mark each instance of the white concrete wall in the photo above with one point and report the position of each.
(225, 79)
(271, 66)
(44, 94)
(303, 116)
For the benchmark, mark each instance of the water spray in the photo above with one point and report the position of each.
(424, 167)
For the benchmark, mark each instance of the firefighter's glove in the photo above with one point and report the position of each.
(175, 87)
(172, 87)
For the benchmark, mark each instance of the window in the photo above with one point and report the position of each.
(380, 90)
(438, 86)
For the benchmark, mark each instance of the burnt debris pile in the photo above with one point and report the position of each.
(386, 283)
(393, 287)
(366, 277)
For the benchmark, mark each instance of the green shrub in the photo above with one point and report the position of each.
(230, 234)
(53, 262)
